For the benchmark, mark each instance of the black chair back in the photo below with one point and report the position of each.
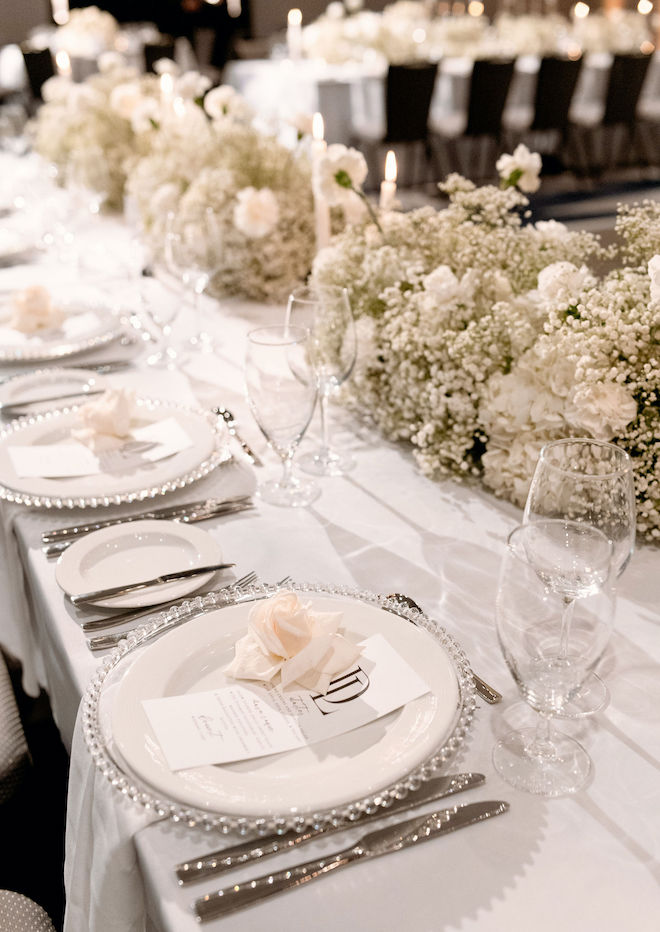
(555, 87)
(489, 87)
(39, 66)
(153, 51)
(624, 87)
(408, 93)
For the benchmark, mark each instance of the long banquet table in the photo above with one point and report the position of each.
(588, 862)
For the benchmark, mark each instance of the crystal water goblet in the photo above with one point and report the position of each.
(554, 615)
(281, 393)
(160, 308)
(326, 312)
(189, 252)
(590, 481)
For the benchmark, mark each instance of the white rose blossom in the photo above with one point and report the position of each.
(340, 172)
(521, 169)
(256, 212)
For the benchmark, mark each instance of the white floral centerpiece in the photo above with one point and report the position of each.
(88, 32)
(482, 336)
(95, 129)
(212, 161)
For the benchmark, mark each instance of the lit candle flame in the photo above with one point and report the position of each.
(317, 127)
(63, 62)
(390, 166)
(294, 18)
(581, 10)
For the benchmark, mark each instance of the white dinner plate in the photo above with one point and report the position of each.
(85, 326)
(47, 382)
(330, 774)
(208, 449)
(139, 550)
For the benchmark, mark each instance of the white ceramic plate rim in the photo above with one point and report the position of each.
(170, 476)
(17, 390)
(73, 580)
(326, 775)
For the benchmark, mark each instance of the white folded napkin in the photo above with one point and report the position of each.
(106, 421)
(285, 636)
(33, 310)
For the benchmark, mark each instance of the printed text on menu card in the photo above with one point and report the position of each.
(246, 719)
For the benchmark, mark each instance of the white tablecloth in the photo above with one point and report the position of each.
(588, 863)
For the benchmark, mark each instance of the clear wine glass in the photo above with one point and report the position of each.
(326, 312)
(160, 308)
(190, 250)
(590, 481)
(281, 393)
(554, 614)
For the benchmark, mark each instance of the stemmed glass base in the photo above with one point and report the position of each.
(292, 493)
(326, 462)
(547, 768)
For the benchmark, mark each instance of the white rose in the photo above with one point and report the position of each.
(256, 212)
(604, 409)
(525, 165)
(443, 284)
(654, 274)
(338, 172)
(125, 98)
(562, 281)
(191, 85)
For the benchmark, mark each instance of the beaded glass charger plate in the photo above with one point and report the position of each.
(84, 327)
(333, 779)
(208, 449)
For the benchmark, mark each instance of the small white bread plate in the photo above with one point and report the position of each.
(85, 327)
(23, 389)
(139, 550)
(324, 776)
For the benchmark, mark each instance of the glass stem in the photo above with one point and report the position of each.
(287, 467)
(566, 619)
(541, 745)
(325, 426)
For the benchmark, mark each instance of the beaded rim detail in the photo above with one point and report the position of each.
(131, 787)
(62, 350)
(219, 455)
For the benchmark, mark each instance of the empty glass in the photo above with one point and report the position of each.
(590, 481)
(326, 312)
(190, 250)
(554, 614)
(281, 393)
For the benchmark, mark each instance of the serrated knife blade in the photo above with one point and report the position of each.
(375, 844)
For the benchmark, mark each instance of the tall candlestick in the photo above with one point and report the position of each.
(60, 11)
(321, 207)
(388, 186)
(294, 34)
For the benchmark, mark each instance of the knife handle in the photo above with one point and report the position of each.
(230, 899)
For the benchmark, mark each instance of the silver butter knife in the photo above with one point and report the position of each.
(217, 862)
(384, 841)
(170, 511)
(112, 591)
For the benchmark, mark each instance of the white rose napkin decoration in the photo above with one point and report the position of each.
(106, 421)
(286, 636)
(33, 310)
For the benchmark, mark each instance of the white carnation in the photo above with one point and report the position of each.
(562, 281)
(523, 161)
(443, 284)
(256, 212)
(604, 409)
(342, 161)
(224, 102)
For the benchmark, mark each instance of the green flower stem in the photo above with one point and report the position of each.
(344, 180)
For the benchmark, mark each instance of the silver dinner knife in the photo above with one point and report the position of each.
(112, 591)
(170, 511)
(217, 862)
(384, 841)
(13, 407)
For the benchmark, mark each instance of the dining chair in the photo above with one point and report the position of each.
(553, 95)
(19, 913)
(408, 92)
(479, 130)
(154, 51)
(39, 67)
(598, 134)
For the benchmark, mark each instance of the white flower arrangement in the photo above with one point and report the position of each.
(212, 162)
(481, 337)
(99, 127)
(88, 32)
